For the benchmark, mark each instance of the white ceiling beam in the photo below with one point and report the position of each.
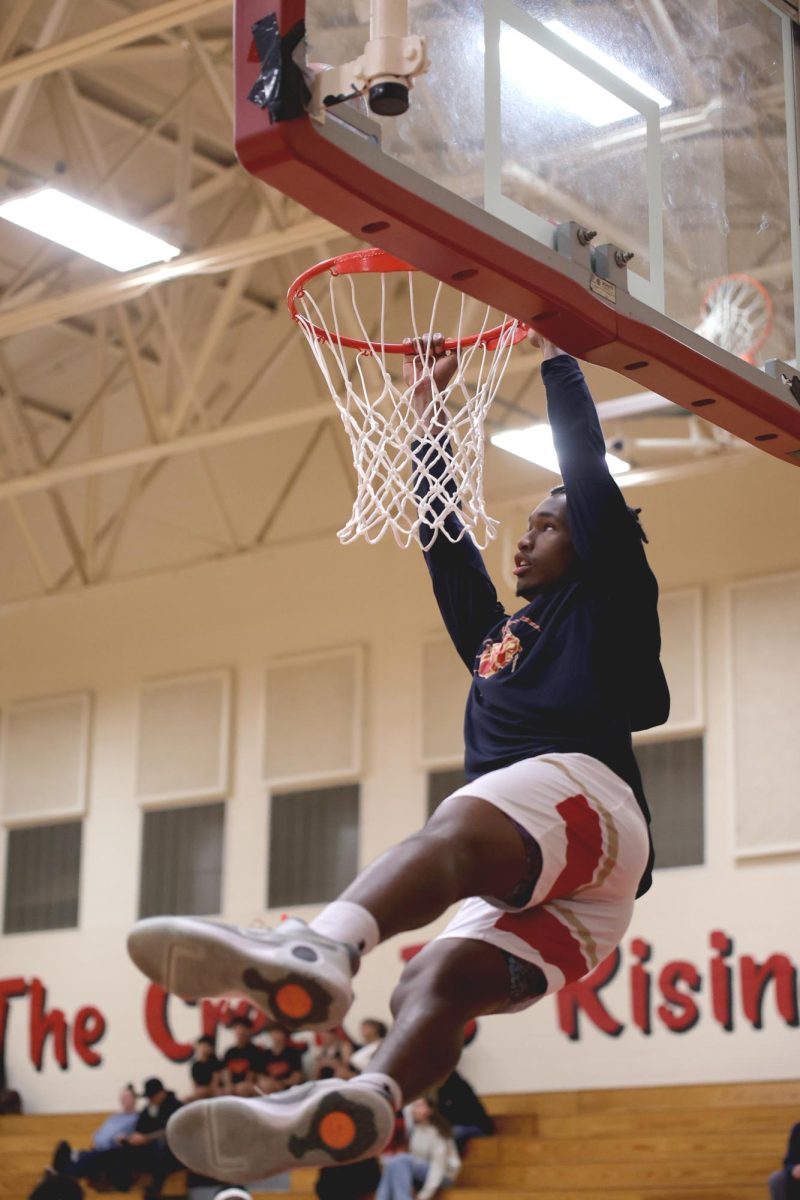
(224, 257)
(123, 460)
(165, 53)
(114, 529)
(35, 555)
(31, 442)
(213, 334)
(142, 478)
(201, 193)
(150, 132)
(112, 379)
(99, 41)
(300, 465)
(20, 104)
(13, 21)
(221, 89)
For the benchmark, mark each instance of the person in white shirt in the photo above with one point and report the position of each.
(372, 1034)
(432, 1160)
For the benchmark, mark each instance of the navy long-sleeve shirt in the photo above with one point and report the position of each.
(576, 669)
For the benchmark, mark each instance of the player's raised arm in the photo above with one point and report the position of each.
(602, 527)
(464, 592)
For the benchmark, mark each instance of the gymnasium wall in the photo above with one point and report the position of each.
(706, 985)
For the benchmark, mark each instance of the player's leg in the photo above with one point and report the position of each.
(492, 956)
(299, 975)
(451, 981)
(467, 848)
(331, 1121)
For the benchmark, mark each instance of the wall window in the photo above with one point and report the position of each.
(181, 866)
(43, 866)
(672, 773)
(313, 844)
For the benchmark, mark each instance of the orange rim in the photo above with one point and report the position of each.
(769, 308)
(380, 262)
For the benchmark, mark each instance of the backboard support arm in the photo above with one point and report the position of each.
(386, 70)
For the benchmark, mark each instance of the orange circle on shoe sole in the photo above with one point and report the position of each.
(337, 1130)
(293, 1001)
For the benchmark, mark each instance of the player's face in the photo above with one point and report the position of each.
(544, 552)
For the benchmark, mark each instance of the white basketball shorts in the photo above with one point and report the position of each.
(594, 844)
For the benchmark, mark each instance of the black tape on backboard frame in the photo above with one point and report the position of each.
(280, 87)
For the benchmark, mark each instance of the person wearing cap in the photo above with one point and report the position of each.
(139, 1149)
(145, 1150)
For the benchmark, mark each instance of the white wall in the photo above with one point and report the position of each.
(245, 612)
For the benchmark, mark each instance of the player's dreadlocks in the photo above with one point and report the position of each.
(560, 490)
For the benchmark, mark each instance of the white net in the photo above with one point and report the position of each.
(413, 469)
(737, 315)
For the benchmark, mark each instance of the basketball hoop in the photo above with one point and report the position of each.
(736, 315)
(396, 491)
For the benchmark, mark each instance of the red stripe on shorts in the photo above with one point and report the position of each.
(584, 846)
(542, 930)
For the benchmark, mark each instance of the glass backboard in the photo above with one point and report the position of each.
(665, 127)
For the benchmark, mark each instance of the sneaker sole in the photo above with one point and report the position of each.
(194, 960)
(240, 1141)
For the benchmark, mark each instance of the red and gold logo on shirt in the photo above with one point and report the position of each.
(497, 655)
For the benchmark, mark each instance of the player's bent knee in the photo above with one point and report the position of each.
(469, 977)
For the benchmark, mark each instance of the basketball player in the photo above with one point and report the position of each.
(547, 845)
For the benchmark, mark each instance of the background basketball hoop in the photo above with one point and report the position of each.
(396, 491)
(737, 315)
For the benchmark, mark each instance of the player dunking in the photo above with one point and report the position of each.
(547, 844)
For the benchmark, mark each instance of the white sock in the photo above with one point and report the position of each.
(383, 1084)
(344, 921)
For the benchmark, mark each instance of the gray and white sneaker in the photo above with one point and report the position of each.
(297, 977)
(322, 1124)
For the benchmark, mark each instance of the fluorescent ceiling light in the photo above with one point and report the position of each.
(535, 444)
(87, 230)
(551, 81)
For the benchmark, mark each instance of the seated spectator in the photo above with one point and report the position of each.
(785, 1184)
(241, 1061)
(461, 1107)
(280, 1066)
(10, 1100)
(352, 1181)
(56, 1187)
(330, 1057)
(431, 1163)
(143, 1151)
(372, 1034)
(86, 1164)
(146, 1150)
(207, 1070)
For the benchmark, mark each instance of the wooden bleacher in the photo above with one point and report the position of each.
(710, 1142)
